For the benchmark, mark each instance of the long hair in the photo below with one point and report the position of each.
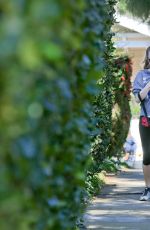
(146, 60)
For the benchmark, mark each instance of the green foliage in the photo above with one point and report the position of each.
(104, 101)
(94, 183)
(118, 122)
(122, 7)
(109, 166)
(103, 104)
(121, 114)
(139, 9)
(52, 53)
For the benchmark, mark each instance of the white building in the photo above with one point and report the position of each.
(132, 37)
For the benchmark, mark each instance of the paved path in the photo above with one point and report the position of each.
(134, 129)
(118, 207)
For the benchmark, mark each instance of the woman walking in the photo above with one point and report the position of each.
(141, 91)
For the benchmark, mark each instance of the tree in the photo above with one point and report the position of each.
(137, 8)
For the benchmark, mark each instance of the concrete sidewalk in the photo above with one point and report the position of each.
(118, 206)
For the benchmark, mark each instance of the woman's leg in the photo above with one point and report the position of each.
(145, 140)
(146, 171)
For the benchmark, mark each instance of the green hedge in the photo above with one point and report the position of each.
(103, 103)
(109, 143)
(102, 108)
(112, 110)
(52, 53)
(121, 114)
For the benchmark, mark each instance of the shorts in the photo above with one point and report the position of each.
(145, 140)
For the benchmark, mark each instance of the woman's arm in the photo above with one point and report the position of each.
(143, 93)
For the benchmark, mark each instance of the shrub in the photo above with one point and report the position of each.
(95, 183)
(103, 103)
(51, 57)
(121, 114)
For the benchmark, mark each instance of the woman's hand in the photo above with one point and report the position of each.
(148, 85)
(145, 91)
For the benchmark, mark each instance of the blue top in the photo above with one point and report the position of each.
(141, 79)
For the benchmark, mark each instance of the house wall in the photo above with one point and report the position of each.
(137, 55)
(133, 44)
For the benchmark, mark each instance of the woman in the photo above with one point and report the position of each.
(141, 90)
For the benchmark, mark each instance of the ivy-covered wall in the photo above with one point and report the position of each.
(52, 54)
(103, 103)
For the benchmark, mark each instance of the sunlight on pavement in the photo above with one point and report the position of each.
(134, 128)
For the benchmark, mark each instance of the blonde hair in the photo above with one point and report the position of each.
(146, 60)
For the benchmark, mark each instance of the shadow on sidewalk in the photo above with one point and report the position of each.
(118, 205)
